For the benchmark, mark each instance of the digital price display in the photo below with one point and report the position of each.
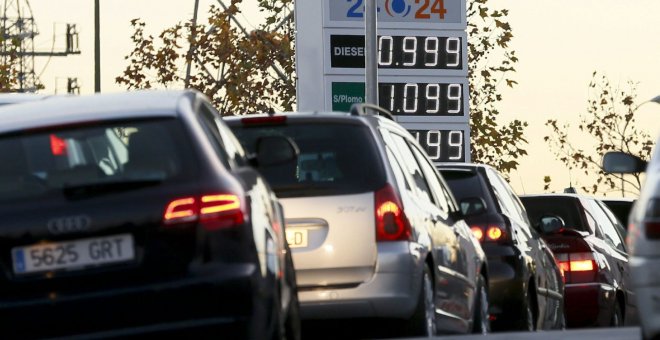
(422, 99)
(399, 52)
(442, 145)
(421, 58)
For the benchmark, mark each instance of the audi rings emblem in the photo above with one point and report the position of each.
(68, 224)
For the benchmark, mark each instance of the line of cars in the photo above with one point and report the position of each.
(149, 212)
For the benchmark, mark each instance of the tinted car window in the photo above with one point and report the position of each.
(621, 210)
(413, 167)
(334, 159)
(564, 207)
(463, 184)
(433, 180)
(92, 157)
(610, 235)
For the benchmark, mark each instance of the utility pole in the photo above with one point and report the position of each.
(17, 47)
(97, 48)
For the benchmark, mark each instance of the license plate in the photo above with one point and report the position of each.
(76, 254)
(296, 238)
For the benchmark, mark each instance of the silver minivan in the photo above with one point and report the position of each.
(373, 227)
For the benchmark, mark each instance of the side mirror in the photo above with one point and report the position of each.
(275, 150)
(471, 206)
(622, 163)
(551, 224)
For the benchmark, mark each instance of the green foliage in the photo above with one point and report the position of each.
(233, 68)
(9, 67)
(610, 124)
(491, 63)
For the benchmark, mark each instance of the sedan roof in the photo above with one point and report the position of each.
(78, 109)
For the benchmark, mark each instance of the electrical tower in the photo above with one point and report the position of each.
(17, 46)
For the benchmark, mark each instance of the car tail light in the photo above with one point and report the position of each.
(214, 211)
(478, 233)
(492, 232)
(651, 220)
(391, 221)
(270, 120)
(577, 267)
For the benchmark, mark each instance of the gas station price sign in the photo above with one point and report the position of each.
(400, 52)
(442, 145)
(422, 65)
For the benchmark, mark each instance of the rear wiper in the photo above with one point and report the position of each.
(301, 188)
(84, 190)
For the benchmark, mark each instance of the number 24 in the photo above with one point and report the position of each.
(438, 7)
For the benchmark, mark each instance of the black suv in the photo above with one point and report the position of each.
(526, 284)
(374, 229)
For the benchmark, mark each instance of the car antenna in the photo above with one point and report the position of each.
(271, 111)
(570, 189)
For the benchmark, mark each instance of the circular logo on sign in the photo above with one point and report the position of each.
(397, 8)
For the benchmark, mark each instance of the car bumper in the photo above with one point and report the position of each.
(646, 281)
(392, 292)
(589, 304)
(506, 285)
(215, 297)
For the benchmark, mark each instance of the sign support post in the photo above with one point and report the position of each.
(371, 52)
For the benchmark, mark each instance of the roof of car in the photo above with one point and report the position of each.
(76, 109)
(557, 195)
(17, 98)
(291, 114)
(462, 166)
(617, 199)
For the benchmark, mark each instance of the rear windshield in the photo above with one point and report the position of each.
(621, 210)
(565, 207)
(94, 157)
(463, 184)
(335, 159)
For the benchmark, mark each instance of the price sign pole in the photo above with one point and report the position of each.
(371, 57)
(408, 56)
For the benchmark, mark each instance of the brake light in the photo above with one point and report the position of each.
(214, 212)
(269, 120)
(491, 232)
(57, 145)
(391, 221)
(652, 229)
(651, 220)
(478, 233)
(494, 233)
(181, 210)
(581, 266)
(577, 267)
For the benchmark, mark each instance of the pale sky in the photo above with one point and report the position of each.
(559, 43)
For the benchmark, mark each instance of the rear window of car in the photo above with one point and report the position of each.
(335, 159)
(463, 183)
(567, 208)
(621, 209)
(98, 157)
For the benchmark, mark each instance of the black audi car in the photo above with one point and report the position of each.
(137, 213)
(526, 284)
